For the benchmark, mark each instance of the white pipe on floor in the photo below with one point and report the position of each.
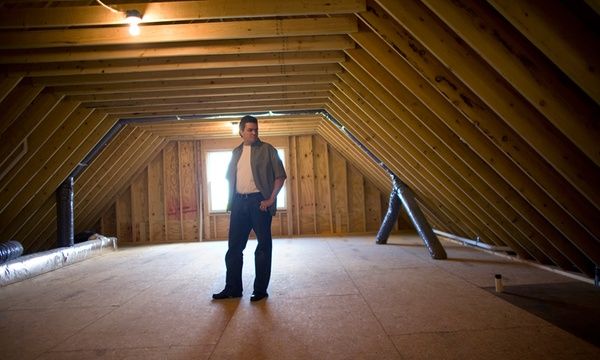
(471, 242)
(28, 266)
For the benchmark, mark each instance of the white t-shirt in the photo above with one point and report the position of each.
(245, 180)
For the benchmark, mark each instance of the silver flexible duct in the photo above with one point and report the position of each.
(436, 250)
(390, 218)
(28, 266)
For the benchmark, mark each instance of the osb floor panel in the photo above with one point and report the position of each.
(330, 298)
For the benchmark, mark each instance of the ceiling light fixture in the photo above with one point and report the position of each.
(133, 18)
(235, 128)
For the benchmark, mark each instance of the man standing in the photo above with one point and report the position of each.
(255, 175)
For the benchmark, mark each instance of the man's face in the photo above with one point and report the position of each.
(250, 133)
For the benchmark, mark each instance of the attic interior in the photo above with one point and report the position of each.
(486, 109)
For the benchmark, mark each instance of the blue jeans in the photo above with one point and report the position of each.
(245, 216)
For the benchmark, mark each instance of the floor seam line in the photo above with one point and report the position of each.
(363, 298)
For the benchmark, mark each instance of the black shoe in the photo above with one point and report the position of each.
(226, 295)
(258, 297)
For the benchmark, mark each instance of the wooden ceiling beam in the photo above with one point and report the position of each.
(125, 104)
(188, 124)
(242, 29)
(309, 103)
(18, 131)
(516, 111)
(17, 101)
(157, 12)
(21, 190)
(561, 35)
(222, 129)
(192, 84)
(197, 93)
(206, 126)
(7, 84)
(212, 136)
(179, 63)
(43, 142)
(527, 70)
(518, 153)
(216, 73)
(218, 111)
(170, 50)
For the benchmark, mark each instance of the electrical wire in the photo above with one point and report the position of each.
(108, 7)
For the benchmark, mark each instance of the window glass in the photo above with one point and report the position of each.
(218, 186)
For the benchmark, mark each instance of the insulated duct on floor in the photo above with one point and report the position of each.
(405, 195)
(390, 219)
(28, 266)
(10, 250)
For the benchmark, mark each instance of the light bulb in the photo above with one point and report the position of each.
(134, 29)
(133, 18)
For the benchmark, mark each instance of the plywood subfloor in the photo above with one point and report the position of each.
(330, 298)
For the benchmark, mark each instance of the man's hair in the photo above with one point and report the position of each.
(247, 119)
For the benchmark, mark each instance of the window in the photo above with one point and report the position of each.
(218, 186)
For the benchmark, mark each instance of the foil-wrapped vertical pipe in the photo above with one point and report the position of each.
(65, 235)
(435, 248)
(390, 218)
(10, 250)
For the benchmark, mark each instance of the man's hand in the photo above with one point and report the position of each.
(265, 204)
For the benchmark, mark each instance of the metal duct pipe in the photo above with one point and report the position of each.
(472, 242)
(436, 250)
(343, 129)
(96, 149)
(390, 218)
(65, 235)
(28, 266)
(10, 250)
